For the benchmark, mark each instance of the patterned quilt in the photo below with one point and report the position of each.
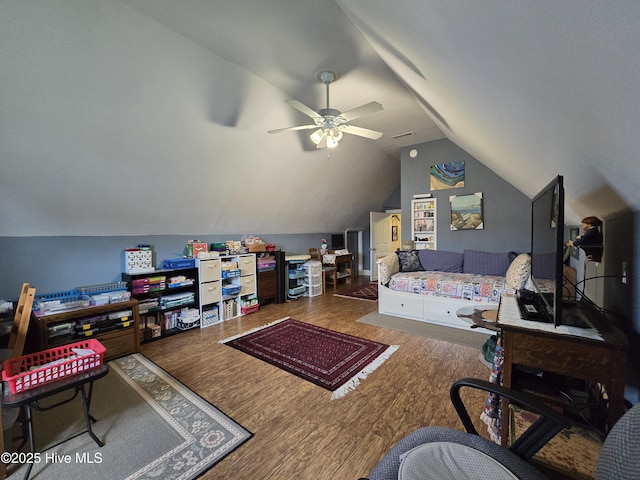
(467, 286)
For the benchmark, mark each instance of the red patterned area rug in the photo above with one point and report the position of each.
(368, 292)
(332, 360)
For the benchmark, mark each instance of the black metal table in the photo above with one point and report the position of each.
(29, 400)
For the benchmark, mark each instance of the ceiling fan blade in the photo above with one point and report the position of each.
(292, 129)
(303, 108)
(361, 111)
(362, 132)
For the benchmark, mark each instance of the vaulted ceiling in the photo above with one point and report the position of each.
(151, 116)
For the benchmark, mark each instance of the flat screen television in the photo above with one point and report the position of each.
(337, 242)
(547, 250)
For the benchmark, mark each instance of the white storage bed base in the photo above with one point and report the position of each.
(427, 308)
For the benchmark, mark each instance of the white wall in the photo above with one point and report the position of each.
(113, 124)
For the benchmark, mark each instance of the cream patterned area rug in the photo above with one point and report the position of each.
(152, 425)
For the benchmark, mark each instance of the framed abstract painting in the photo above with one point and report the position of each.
(446, 175)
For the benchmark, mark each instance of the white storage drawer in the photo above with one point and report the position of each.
(247, 264)
(210, 293)
(209, 270)
(409, 307)
(314, 290)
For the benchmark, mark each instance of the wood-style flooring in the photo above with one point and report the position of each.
(299, 432)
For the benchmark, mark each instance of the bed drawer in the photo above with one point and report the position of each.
(411, 306)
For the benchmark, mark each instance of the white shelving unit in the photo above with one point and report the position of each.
(210, 291)
(423, 223)
(227, 287)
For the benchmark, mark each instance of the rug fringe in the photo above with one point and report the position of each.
(257, 329)
(355, 380)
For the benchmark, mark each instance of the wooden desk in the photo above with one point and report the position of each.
(344, 266)
(539, 346)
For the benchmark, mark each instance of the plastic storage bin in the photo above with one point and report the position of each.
(314, 290)
(231, 289)
(230, 273)
(313, 267)
(40, 368)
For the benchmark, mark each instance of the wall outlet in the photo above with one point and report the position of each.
(624, 272)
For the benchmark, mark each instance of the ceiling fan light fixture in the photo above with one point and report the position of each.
(316, 137)
(331, 142)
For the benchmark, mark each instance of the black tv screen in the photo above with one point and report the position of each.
(547, 243)
(337, 242)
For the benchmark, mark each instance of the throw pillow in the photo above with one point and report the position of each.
(387, 266)
(409, 261)
(519, 272)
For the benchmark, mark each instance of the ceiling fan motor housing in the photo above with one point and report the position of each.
(327, 77)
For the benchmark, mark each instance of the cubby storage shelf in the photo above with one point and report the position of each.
(228, 286)
(158, 318)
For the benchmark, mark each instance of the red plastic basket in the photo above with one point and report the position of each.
(251, 309)
(37, 369)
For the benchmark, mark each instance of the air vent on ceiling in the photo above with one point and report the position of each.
(400, 135)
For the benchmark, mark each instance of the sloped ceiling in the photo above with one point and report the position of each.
(531, 89)
(151, 116)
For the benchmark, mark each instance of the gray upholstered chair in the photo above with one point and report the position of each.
(442, 453)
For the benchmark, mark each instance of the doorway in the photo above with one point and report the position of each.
(385, 230)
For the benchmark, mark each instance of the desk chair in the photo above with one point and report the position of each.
(425, 451)
(327, 270)
(18, 335)
(15, 347)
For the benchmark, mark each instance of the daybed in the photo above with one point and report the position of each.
(432, 285)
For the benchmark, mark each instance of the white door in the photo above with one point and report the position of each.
(381, 241)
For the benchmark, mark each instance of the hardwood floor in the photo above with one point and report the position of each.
(299, 432)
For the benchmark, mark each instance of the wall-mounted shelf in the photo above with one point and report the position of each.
(423, 223)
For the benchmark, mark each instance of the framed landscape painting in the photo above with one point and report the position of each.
(467, 212)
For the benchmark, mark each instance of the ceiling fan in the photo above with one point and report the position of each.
(330, 124)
